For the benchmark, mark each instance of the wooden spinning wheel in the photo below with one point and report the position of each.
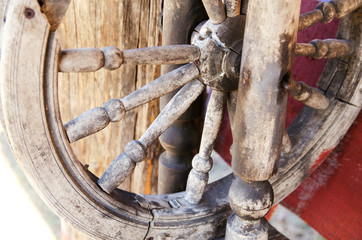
(31, 58)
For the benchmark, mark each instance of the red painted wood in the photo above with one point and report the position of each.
(330, 199)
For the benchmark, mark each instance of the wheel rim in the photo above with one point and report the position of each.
(117, 208)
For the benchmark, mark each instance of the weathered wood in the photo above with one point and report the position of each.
(260, 114)
(304, 49)
(54, 10)
(124, 164)
(127, 25)
(309, 96)
(215, 10)
(35, 131)
(261, 101)
(326, 11)
(286, 143)
(244, 6)
(232, 7)
(345, 7)
(224, 41)
(171, 54)
(161, 86)
(81, 60)
(202, 162)
(312, 131)
(181, 140)
(114, 110)
(93, 59)
(308, 19)
(328, 48)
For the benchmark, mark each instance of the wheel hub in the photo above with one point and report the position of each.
(220, 46)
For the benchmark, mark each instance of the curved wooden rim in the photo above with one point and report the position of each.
(47, 159)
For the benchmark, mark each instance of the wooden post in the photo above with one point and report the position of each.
(125, 25)
(269, 42)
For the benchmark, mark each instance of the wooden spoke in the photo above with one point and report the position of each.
(202, 162)
(326, 11)
(329, 48)
(232, 7)
(306, 94)
(215, 10)
(54, 11)
(114, 110)
(135, 151)
(111, 58)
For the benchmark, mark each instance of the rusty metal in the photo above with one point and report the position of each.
(306, 94)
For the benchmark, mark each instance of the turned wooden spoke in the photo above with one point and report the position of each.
(306, 94)
(329, 48)
(111, 58)
(173, 54)
(135, 151)
(326, 11)
(114, 110)
(232, 7)
(215, 10)
(202, 162)
(161, 86)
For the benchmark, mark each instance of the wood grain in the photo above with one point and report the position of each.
(127, 25)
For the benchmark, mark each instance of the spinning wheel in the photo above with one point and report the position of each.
(31, 59)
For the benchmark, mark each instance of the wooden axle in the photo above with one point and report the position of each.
(135, 151)
(329, 48)
(111, 58)
(326, 11)
(114, 110)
